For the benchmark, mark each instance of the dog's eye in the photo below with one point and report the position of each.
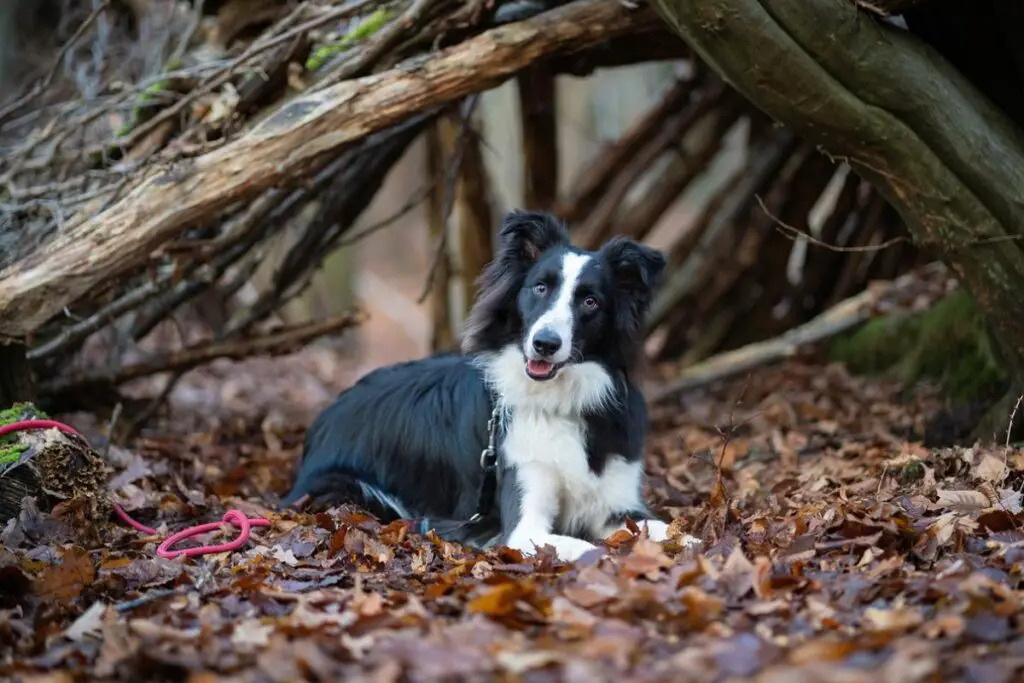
(540, 289)
(590, 303)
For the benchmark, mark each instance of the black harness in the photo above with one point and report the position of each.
(488, 490)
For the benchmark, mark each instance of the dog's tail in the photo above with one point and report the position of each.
(337, 487)
(480, 534)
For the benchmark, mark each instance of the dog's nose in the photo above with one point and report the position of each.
(546, 341)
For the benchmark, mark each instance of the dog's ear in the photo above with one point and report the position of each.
(528, 234)
(524, 236)
(636, 268)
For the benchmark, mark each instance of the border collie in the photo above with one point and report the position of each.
(551, 348)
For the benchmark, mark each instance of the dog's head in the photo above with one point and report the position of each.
(562, 305)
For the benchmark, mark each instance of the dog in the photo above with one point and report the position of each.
(551, 349)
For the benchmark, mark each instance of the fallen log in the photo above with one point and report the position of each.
(102, 243)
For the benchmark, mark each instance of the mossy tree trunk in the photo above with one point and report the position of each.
(940, 152)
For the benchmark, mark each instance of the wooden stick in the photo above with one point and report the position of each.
(836, 320)
(276, 342)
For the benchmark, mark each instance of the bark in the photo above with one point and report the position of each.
(17, 383)
(101, 244)
(441, 142)
(474, 220)
(939, 151)
(887, 7)
(537, 109)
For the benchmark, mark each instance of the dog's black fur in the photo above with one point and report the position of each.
(405, 440)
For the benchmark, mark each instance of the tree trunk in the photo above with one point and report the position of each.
(946, 158)
(537, 110)
(16, 381)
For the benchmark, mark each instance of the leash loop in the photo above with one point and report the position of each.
(234, 517)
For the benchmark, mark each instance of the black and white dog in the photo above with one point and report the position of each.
(551, 348)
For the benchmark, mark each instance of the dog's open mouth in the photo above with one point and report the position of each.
(541, 370)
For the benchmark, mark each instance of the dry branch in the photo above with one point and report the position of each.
(717, 234)
(597, 226)
(836, 320)
(599, 174)
(275, 342)
(105, 243)
(537, 111)
(682, 170)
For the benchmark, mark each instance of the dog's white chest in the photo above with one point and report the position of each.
(552, 449)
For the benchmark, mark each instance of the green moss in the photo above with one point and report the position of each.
(146, 99)
(912, 473)
(947, 344)
(10, 450)
(364, 30)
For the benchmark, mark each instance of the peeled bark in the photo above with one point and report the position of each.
(945, 157)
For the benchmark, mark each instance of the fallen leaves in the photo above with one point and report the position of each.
(63, 581)
(832, 550)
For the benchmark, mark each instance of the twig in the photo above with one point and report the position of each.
(74, 334)
(597, 226)
(1013, 414)
(418, 198)
(253, 51)
(111, 426)
(796, 234)
(449, 195)
(154, 404)
(145, 599)
(186, 38)
(600, 172)
(349, 191)
(42, 85)
(280, 341)
(385, 39)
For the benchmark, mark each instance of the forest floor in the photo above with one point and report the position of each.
(836, 549)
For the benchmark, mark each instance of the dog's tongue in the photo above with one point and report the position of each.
(538, 367)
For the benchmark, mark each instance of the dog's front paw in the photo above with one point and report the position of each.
(657, 530)
(567, 548)
(570, 549)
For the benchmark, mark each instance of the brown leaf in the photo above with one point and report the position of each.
(897, 619)
(822, 650)
(991, 468)
(737, 576)
(962, 500)
(64, 581)
(647, 560)
(762, 576)
(499, 600)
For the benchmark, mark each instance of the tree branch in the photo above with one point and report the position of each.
(275, 342)
(903, 118)
(104, 243)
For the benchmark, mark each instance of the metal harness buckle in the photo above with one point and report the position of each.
(488, 455)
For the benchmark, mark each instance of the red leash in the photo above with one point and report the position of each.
(234, 517)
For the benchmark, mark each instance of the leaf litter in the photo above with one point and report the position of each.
(836, 548)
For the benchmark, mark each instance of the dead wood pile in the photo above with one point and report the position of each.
(151, 164)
